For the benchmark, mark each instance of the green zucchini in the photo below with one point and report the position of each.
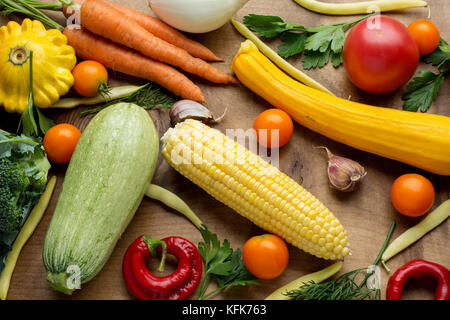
(106, 179)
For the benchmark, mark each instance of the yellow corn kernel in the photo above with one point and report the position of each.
(254, 188)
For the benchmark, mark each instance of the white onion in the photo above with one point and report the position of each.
(196, 16)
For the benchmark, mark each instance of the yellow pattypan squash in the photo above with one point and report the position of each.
(53, 61)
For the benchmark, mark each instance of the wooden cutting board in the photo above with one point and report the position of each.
(366, 213)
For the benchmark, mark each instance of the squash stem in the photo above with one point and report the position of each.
(59, 282)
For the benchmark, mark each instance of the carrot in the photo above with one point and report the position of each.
(101, 18)
(116, 57)
(162, 31)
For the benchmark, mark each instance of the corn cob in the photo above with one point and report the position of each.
(254, 188)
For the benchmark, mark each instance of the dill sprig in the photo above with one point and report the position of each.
(348, 286)
(149, 97)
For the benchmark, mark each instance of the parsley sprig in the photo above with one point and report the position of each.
(222, 263)
(318, 44)
(422, 91)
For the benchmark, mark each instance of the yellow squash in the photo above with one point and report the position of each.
(421, 140)
(53, 61)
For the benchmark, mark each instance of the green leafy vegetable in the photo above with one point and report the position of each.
(294, 43)
(23, 177)
(422, 91)
(150, 96)
(440, 57)
(221, 263)
(349, 286)
(33, 122)
(318, 44)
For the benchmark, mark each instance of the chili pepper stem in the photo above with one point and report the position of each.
(152, 245)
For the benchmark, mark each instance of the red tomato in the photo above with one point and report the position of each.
(425, 34)
(265, 256)
(60, 142)
(380, 55)
(412, 195)
(273, 119)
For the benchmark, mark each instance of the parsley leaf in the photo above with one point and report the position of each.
(314, 59)
(294, 43)
(337, 58)
(239, 274)
(440, 57)
(268, 26)
(422, 91)
(317, 43)
(221, 263)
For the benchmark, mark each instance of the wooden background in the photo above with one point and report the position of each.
(366, 213)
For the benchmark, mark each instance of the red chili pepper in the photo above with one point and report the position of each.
(419, 269)
(176, 286)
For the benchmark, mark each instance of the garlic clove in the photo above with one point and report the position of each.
(344, 174)
(188, 109)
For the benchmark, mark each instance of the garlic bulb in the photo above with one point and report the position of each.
(344, 174)
(196, 16)
(188, 109)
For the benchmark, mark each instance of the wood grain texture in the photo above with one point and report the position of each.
(366, 214)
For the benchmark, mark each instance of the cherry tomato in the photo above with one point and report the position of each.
(412, 195)
(425, 34)
(380, 55)
(90, 78)
(265, 256)
(60, 142)
(273, 119)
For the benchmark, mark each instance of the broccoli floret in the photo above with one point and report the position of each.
(39, 179)
(14, 195)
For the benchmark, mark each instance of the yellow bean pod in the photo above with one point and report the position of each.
(363, 7)
(25, 233)
(173, 201)
(410, 236)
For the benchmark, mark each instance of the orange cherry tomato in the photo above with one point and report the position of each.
(425, 35)
(265, 256)
(60, 142)
(90, 78)
(412, 195)
(273, 119)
